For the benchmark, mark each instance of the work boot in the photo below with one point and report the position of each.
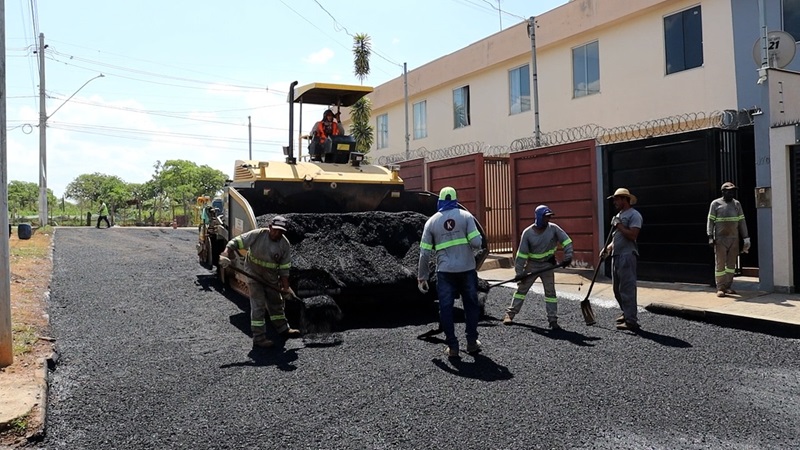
(451, 352)
(730, 291)
(508, 319)
(262, 342)
(620, 319)
(630, 326)
(720, 293)
(291, 333)
(554, 325)
(473, 348)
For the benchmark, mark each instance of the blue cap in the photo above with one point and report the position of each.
(539, 213)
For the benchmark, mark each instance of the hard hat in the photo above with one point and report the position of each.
(278, 223)
(623, 192)
(328, 111)
(539, 213)
(447, 193)
(727, 186)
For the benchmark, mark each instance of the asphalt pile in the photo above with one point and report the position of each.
(353, 251)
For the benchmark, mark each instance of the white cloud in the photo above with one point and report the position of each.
(320, 57)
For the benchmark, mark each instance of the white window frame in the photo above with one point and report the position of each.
(382, 131)
(464, 120)
(517, 102)
(582, 86)
(420, 111)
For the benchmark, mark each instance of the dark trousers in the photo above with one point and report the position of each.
(449, 286)
(108, 224)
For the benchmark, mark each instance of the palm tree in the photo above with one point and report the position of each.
(362, 49)
(360, 112)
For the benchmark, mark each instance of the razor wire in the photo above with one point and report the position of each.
(468, 148)
(728, 119)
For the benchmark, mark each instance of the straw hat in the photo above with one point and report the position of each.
(623, 192)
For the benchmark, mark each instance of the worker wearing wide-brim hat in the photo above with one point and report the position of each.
(726, 225)
(624, 252)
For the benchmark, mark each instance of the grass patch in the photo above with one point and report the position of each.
(24, 337)
(28, 251)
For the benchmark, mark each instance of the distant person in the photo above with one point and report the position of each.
(268, 258)
(321, 144)
(726, 225)
(624, 255)
(103, 215)
(451, 237)
(537, 251)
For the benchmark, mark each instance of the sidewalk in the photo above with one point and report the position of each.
(751, 309)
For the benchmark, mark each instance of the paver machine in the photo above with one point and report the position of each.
(352, 225)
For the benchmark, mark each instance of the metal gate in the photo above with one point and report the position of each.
(498, 226)
(794, 158)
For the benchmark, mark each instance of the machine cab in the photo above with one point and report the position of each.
(338, 149)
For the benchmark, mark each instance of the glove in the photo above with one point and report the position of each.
(746, 245)
(615, 221)
(711, 241)
(552, 261)
(422, 285)
(565, 263)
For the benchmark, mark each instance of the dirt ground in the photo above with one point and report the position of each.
(31, 267)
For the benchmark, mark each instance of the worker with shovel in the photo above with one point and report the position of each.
(269, 259)
(536, 255)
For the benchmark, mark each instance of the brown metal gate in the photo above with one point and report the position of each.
(498, 226)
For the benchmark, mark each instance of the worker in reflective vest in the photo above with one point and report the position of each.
(330, 125)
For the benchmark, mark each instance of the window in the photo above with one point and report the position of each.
(461, 107)
(586, 70)
(519, 90)
(420, 120)
(791, 18)
(683, 40)
(382, 134)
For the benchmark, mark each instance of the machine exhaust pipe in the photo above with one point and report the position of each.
(289, 151)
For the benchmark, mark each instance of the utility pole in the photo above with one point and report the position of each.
(250, 138)
(42, 139)
(405, 87)
(537, 134)
(6, 346)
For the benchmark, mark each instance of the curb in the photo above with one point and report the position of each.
(755, 324)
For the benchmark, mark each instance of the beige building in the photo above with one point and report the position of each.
(657, 67)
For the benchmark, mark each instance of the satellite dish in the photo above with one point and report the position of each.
(780, 49)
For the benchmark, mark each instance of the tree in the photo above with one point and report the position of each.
(22, 196)
(360, 112)
(183, 181)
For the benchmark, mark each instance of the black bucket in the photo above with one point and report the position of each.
(24, 231)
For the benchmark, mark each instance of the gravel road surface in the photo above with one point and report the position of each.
(154, 353)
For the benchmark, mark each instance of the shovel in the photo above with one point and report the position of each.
(526, 275)
(586, 306)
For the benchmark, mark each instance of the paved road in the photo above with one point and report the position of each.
(153, 355)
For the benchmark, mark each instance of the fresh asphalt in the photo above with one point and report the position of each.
(153, 353)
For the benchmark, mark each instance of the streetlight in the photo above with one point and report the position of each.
(43, 138)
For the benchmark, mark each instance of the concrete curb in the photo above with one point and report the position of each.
(746, 323)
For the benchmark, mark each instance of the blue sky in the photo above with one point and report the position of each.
(182, 77)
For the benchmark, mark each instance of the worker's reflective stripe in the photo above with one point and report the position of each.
(425, 246)
(473, 234)
(725, 219)
(566, 242)
(551, 299)
(539, 256)
(239, 242)
(278, 317)
(719, 274)
(519, 296)
(257, 323)
(269, 265)
(729, 270)
(452, 243)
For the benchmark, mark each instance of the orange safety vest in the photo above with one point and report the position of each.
(321, 130)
